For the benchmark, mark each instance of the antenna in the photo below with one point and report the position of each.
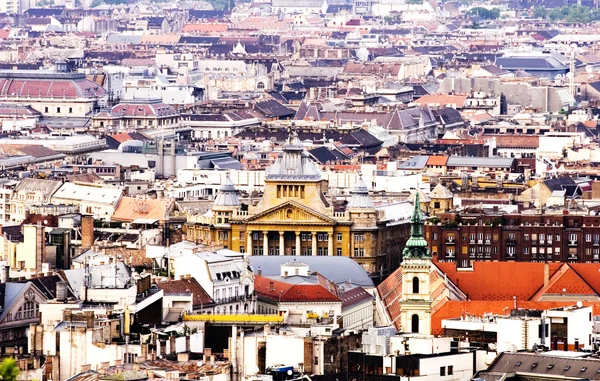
(572, 74)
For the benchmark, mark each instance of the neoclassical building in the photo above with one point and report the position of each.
(296, 217)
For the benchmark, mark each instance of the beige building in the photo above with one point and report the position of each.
(28, 193)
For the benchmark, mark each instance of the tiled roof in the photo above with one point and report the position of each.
(517, 141)
(200, 297)
(130, 209)
(437, 160)
(354, 296)
(442, 100)
(279, 290)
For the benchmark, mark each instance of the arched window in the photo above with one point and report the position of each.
(414, 324)
(260, 85)
(415, 284)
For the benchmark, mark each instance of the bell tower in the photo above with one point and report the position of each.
(415, 303)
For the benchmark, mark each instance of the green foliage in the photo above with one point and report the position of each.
(486, 14)
(222, 4)
(540, 12)
(9, 370)
(570, 14)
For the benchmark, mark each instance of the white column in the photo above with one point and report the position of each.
(297, 243)
(265, 243)
(330, 244)
(249, 242)
(314, 243)
(281, 244)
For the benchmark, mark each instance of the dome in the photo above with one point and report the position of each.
(360, 195)
(227, 195)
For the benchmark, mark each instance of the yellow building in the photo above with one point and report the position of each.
(296, 217)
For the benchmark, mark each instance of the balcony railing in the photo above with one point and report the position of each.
(450, 241)
(573, 243)
(511, 242)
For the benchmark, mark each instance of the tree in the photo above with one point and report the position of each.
(540, 12)
(484, 13)
(9, 370)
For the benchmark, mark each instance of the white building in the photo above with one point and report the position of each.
(227, 279)
(101, 202)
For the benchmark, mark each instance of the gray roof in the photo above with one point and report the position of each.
(533, 365)
(489, 162)
(416, 162)
(227, 195)
(45, 187)
(12, 294)
(294, 163)
(339, 270)
(530, 63)
(360, 196)
(123, 39)
(301, 4)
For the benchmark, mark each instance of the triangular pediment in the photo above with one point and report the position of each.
(290, 213)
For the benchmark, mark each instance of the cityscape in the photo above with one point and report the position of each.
(313, 190)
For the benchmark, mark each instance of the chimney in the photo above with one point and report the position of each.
(259, 272)
(87, 231)
(546, 274)
(271, 286)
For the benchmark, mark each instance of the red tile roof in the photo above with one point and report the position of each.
(437, 160)
(450, 309)
(355, 296)
(491, 286)
(51, 87)
(322, 291)
(143, 109)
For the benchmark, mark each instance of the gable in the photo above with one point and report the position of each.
(566, 281)
(290, 213)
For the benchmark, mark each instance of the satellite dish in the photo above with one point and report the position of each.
(289, 372)
(579, 304)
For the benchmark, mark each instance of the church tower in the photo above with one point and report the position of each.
(415, 303)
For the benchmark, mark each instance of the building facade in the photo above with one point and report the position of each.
(296, 217)
(538, 237)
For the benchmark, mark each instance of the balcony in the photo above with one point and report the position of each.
(542, 242)
(572, 257)
(450, 254)
(480, 242)
(596, 243)
(472, 241)
(488, 242)
(450, 241)
(573, 243)
(511, 242)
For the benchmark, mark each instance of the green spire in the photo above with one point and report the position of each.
(416, 246)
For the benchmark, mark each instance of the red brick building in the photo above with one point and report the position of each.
(470, 237)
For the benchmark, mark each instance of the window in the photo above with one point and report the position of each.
(415, 285)
(260, 86)
(442, 370)
(359, 237)
(588, 238)
(572, 237)
(359, 252)
(339, 252)
(414, 323)
(510, 251)
(339, 237)
(58, 110)
(70, 110)
(450, 370)
(46, 109)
